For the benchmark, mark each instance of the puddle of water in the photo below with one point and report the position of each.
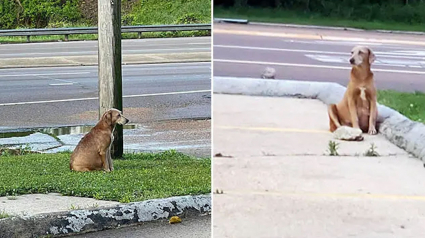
(58, 131)
(15, 134)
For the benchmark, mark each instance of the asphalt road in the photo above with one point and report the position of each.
(317, 55)
(80, 48)
(62, 96)
(199, 227)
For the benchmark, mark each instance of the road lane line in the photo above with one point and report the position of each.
(60, 84)
(315, 37)
(94, 98)
(52, 74)
(272, 129)
(397, 55)
(313, 66)
(329, 195)
(91, 53)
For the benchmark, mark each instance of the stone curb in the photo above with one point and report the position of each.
(319, 27)
(398, 129)
(91, 60)
(80, 221)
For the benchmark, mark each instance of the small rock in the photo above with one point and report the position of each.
(269, 73)
(348, 133)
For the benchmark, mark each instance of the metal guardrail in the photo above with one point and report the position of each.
(93, 30)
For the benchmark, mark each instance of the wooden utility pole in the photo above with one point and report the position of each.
(110, 73)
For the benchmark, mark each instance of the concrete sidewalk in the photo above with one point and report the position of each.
(278, 180)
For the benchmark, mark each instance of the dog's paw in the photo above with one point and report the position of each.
(372, 131)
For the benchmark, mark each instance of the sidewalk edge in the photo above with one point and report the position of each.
(86, 220)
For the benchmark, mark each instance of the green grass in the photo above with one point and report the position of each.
(3, 214)
(137, 177)
(412, 105)
(155, 12)
(271, 15)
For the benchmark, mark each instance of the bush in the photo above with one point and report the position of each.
(369, 10)
(37, 13)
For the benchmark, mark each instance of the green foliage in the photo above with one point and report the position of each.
(333, 148)
(372, 151)
(160, 12)
(137, 177)
(37, 13)
(3, 214)
(408, 12)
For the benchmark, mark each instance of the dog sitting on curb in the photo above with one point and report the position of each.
(357, 112)
(93, 152)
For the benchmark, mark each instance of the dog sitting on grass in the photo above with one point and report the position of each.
(93, 152)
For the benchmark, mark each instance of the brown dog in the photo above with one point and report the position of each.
(358, 108)
(93, 152)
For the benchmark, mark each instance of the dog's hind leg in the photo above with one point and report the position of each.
(333, 118)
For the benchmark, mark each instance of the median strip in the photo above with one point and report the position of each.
(89, 60)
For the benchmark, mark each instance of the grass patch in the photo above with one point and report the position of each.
(412, 105)
(3, 214)
(137, 177)
(273, 15)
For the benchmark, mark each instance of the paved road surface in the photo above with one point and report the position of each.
(199, 227)
(300, 54)
(67, 95)
(278, 180)
(80, 48)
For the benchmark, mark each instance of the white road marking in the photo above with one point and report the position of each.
(52, 74)
(313, 66)
(394, 54)
(60, 84)
(380, 61)
(94, 98)
(350, 43)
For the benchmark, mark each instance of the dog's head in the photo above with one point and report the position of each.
(114, 116)
(361, 55)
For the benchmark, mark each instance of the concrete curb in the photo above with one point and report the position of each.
(245, 21)
(398, 129)
(65, 223)
(91, 60)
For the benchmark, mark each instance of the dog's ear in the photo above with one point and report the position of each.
(372, 56)
(107, 116)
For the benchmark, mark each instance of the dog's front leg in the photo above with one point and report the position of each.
(105, 162)
(109, 159)
(353, 112)
(372, 116)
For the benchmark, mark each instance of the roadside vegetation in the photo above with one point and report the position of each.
(83, 13)
(370, 14)
(412, 105)
(137, 177)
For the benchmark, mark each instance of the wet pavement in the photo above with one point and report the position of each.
(188, 136)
